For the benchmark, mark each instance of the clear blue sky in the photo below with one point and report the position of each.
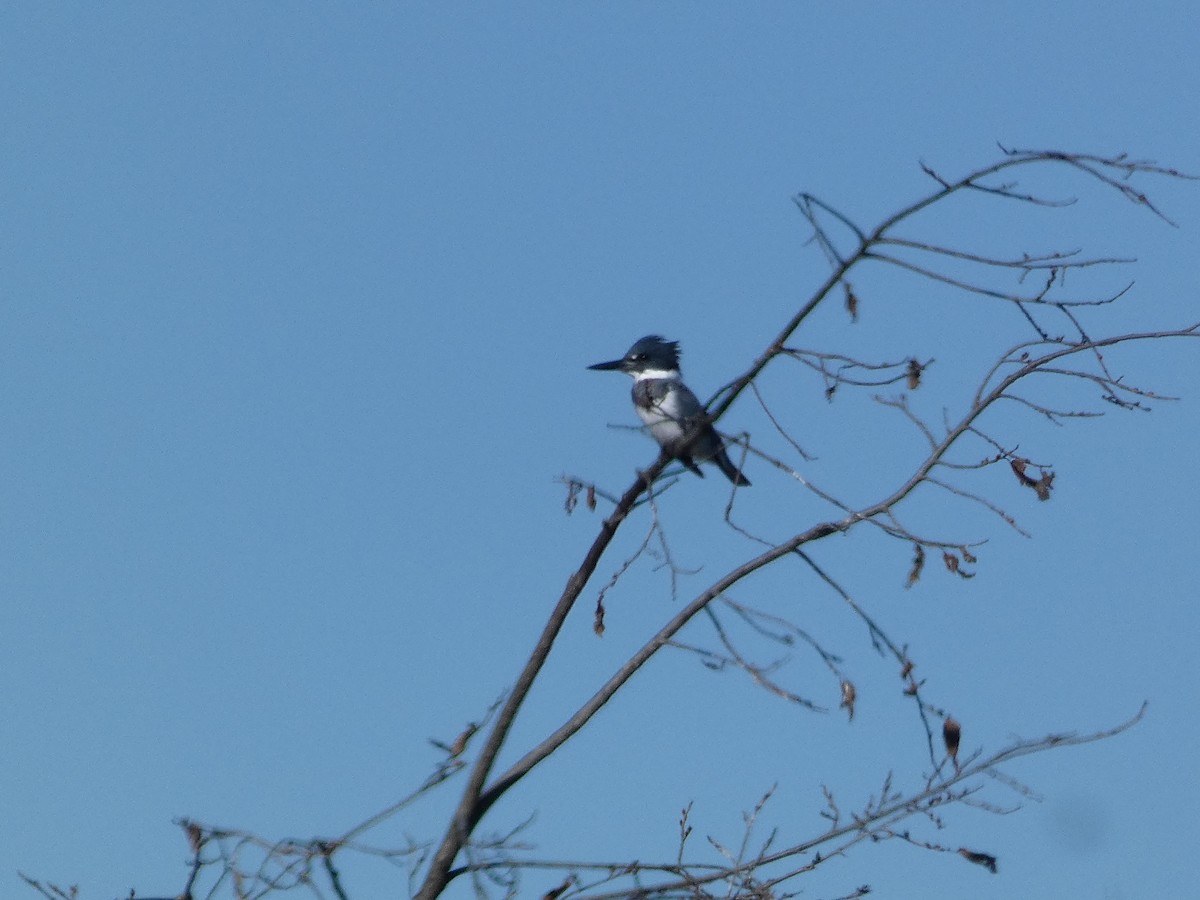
(295, 305)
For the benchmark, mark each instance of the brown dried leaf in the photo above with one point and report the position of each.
(195, 836)
(909, 665)
(914, 374)
(980, 859)
(1018, 467)
(952, 736)
(460, 742)
(952, 563)
(591, 497)
(1043, 485)
(967, 555)
(914, 574)
(851, 301)
(849, 694)
(598, 622)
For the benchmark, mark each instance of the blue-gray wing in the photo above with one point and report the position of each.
(686, 406)
(672, 399)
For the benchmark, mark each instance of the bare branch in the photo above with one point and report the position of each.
(756, 866)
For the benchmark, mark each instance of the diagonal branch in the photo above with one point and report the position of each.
(480, 794)
(824, 529)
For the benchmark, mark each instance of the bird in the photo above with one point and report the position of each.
(669, 408)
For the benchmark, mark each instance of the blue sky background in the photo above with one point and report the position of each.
(295, 305)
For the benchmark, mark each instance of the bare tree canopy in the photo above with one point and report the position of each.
(954, 433)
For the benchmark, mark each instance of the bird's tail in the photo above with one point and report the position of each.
(721, 458)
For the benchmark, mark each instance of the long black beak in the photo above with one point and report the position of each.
(608, 366)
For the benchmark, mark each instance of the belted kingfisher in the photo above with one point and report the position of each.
(668, 407)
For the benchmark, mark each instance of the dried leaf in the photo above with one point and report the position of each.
(848, 696)
(914, 374)
(460, 742)
(914, 574)
(1041, 485)
(952, 735)
(195, 836)
(851, 301)
(1018, 467)
(591, 497)
(952, 564)
(598, 621)
(980, 859)
(967, 555)
(572, 496)
(909, 665)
